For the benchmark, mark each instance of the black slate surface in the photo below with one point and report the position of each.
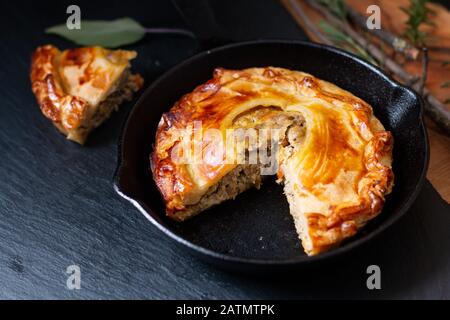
(58, 207)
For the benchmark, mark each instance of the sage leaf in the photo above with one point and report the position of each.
(110, 34)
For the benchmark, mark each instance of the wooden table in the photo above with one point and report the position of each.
(439, 170)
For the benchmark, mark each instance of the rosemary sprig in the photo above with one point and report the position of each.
(336, 7)
(418, 14)
(345, 41)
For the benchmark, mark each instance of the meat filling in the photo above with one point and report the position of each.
(123, 91)
(245, 176)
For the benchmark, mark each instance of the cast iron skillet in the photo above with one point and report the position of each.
(255, 231)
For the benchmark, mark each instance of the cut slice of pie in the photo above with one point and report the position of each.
(78, 89)
(332, 154)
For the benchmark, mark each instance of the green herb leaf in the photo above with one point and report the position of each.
(333, 33)
(110, 34)
(418, 14)
(446, 63)
(344, 41)
(446, 84)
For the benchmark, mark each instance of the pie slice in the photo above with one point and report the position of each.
(78, 89)
(330, 152)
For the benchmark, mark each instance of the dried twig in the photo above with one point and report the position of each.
(423, 79)
(308, 23)
(433, 107)
(437, 110)
(398, 44)
(439, 49)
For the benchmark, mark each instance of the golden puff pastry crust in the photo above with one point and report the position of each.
(335, 181)
(72, 86)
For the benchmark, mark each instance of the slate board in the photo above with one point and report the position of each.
(58, 207)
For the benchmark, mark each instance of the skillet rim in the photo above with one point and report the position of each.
(210, 254)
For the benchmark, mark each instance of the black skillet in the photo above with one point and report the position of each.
(255, 231)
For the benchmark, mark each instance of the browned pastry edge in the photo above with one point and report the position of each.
(49, 93)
